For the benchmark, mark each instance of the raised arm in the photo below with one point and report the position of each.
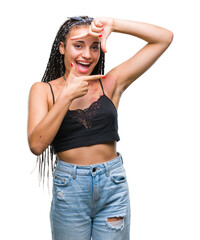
(158, 40)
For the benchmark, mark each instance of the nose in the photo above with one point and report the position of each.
(86, 53)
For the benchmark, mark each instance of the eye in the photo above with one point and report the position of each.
(95, 47)
(78, 46)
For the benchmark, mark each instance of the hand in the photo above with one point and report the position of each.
(100, 27)
(78, 86)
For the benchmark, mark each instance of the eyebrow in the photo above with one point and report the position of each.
(84, 42)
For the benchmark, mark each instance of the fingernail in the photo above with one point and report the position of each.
(100, 35)
(102, 29)
(72, 64)
(104, 77)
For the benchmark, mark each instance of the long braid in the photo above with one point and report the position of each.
(55, 69)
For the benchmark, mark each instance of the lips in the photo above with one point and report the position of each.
(83, 66)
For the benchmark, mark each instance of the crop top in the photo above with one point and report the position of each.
(84, 127)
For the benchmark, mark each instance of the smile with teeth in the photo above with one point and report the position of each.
(83, 67)
(84, 63)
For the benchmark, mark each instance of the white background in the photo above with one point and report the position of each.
(158, 116)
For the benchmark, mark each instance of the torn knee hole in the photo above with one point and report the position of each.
(115, 223)
(114, 219)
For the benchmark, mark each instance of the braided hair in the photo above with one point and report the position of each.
(55, 69)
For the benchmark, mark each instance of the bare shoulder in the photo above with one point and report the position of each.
(38, 94)
(39, 86)
(39, 90)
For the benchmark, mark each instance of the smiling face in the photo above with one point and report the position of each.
(84, 53)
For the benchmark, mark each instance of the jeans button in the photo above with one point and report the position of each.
(94, 169)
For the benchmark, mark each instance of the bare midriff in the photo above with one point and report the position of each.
(89, 155)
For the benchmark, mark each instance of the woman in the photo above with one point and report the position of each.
(75, 115)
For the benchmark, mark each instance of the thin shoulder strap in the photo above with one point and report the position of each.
(101, 86)
(52, 92)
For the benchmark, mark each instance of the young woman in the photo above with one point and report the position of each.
(73, 112)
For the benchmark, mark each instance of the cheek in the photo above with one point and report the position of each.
(96, 56)
(70, 57)
(71, 52)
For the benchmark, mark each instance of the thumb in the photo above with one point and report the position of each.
(72, 71)
(103, 45)
(71, 74)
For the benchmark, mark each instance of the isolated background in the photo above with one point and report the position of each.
(158, 116)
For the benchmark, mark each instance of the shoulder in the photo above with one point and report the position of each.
(39, 90)
(39, 86)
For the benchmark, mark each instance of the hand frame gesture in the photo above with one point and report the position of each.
(101, 28)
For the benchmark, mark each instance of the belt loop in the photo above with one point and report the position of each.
(74, 171)
(107, 171)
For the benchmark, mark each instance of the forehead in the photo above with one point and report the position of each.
(78, 30)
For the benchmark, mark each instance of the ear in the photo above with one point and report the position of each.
(61, 48)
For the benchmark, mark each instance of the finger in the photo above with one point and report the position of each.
(93, 77)
(103, 45)
(95, 29)
(96, 34)
(87, 34)
(80, 36)
(72, 71)
(98, 22)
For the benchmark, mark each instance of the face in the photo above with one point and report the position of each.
(84, 53)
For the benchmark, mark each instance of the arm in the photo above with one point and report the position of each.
(43, 125)
(158, 40)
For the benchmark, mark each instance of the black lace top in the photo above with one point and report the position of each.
(83, 127)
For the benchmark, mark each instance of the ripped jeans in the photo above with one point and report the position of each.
(90, 201)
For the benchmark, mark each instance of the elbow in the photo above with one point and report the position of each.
(36, 145)
(167, 39)
(36, 148)
(36, 151)
(170, 37)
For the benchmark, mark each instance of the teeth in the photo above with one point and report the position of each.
(84, 63)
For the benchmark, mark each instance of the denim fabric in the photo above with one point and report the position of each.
(84, 196)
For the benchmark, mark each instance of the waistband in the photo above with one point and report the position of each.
(94, 169)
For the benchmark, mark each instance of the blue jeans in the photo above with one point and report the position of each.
(85, 196)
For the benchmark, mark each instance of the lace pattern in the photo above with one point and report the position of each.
(85, 116)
